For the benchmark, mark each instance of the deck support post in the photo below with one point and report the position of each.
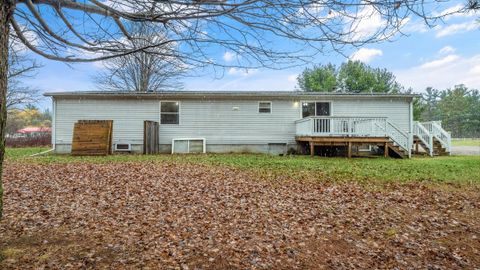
(416, 147)
(349, 155)
(312, 149)
(385, 153)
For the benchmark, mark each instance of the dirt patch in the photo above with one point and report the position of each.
(170, 216)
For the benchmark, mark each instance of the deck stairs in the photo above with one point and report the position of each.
(432, 138)
(395, 150)
(398, 145)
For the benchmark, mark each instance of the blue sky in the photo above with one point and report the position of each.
(441, 57)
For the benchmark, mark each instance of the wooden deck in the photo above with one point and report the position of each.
(385, 143)
(352, 132)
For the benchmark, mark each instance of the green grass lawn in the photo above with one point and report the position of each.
(466, 142)
(449, 169)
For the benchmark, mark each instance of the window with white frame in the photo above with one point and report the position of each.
(265, 107)
(169, 112)
(188, 145)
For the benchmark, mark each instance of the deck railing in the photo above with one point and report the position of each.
(341, 126)
(352, 126)
(423, 135)
(399, 137)
(435, 128)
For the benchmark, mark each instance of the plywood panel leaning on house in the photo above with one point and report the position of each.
(150, 137)
(92, 138)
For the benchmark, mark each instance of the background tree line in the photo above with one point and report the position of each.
(458, 108)
(30, 115)
(21, 97)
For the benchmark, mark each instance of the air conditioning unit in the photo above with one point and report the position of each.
(123, 147)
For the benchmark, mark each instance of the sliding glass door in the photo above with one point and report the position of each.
(315, 109)
(320, 125)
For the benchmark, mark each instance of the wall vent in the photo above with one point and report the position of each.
(123, 147)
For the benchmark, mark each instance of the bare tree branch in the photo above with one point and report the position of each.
(246, 27)
(143, 71)
(20, 67)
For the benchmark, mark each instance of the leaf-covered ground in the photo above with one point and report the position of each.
(174, 215)
(456, 170)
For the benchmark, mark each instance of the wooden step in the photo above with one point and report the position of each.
(425, 147)
(397, 150)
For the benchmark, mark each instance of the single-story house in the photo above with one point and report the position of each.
(244, 121)
(34, 131)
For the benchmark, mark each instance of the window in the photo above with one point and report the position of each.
(169, 112)
(308, 109)
(315, 109)
(323, 109)
(188, 145)
(265, 107)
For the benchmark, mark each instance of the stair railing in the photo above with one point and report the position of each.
(398, 136)
(444, 137)
(425, 137)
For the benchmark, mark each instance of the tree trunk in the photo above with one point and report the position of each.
(6, 8)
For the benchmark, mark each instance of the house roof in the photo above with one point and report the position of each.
(217, 94)
(34, 129)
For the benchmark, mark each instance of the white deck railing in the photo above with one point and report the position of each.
(352, 127)
(399, 137)
(444, 137)
(423, 135)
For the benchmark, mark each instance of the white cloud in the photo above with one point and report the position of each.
(158, 6)
(366, 55)
(410, 26)
(230, 56)
(447, 50)
(368, 24)
(292, 77)
(262, 80)
(314, 9)
(241, 71)
(455, 11)
(440, 62)
(99, 64)
(456, 28)
(30, 36)
(475, 70)
(449, 11)
(442, 73)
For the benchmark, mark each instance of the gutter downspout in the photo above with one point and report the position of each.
(410, 134)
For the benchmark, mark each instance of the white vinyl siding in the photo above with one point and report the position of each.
(397, 110)
(233, 122)
(127, 116)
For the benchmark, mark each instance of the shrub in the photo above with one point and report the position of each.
(30, 141)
